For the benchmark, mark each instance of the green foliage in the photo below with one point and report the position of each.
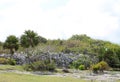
(29, 38)
(95, 68)
(83, 44)
(110, 54)
(3, 61)
(27, 67)
(82, 37)
(42, 39)
(11, 43)
(81, 67)
(40, 66)
(11, 61)
(7, 61)
(1, 47)
(77, 44)
(101, 66)
(75, 64)
(83, 60)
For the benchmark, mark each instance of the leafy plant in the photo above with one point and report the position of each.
(100, 67)
(29, 39)
(81, 67)
(40, 66)
(3, 61)
(95, 68)
(11, 43)
(83, 60)
(11, 61)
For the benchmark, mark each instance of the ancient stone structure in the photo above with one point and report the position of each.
(60, 59)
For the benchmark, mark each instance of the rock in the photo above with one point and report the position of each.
(60, 59)
(65, 70)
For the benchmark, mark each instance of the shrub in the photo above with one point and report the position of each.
(81, 67)
(3, 61)
(101, 66)
(27, 67)
(95, 68)
(51, 67)
(75, 64)
(83, 60)
(40, 66)
(11, 62)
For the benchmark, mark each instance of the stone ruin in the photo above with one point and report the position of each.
(60, 59)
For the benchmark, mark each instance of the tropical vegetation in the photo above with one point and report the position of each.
(78, 44)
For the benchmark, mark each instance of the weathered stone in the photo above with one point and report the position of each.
(61, 59)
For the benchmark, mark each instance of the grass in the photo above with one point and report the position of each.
(10, 67)
(13, 77)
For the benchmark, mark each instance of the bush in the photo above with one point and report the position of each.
(83, 60)
(27, 67)
(81, 67)
(3, 61)
(95, 68)
(51, 67)
(75, 64)
(101, 66)
(11, 62)
(40, 66)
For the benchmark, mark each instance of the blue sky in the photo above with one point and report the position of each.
(55, 19)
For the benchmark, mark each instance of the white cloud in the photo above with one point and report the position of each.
(81, 17)
(76, 17)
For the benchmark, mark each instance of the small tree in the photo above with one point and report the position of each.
(29, 39)
(11, 43)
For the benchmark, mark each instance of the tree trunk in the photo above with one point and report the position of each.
(11, 52)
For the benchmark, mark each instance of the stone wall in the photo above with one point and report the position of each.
(60, 59)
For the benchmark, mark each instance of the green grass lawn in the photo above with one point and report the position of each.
(10, 67)
(13, 77)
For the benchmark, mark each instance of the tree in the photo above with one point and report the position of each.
(42, 39)
(82, 37)
(29, 39)
(1, 44)
(11, 43)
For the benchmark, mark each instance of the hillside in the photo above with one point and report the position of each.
(77, 44)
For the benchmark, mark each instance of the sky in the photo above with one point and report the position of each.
(60, 19)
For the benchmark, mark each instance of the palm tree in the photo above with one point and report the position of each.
(11, 43)
(29, 39)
